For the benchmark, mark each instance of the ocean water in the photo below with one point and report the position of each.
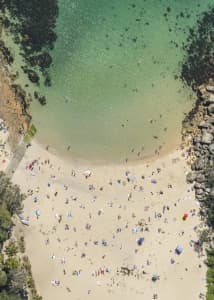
(116, 94)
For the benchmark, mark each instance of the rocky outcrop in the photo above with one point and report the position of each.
(13, 106)
(206, 137)
(200, 132)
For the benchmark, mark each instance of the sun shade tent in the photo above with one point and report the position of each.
(140, 241)
(178, 250)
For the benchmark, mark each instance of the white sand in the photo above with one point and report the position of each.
(111, 213)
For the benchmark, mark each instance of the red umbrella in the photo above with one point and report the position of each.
(185, 216)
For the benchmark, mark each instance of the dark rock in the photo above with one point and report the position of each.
(211, 161)
(204, 147)
(200, 178)
(204, 124)
(6, 53)
(190, 178)
(198, 164)
(44, 60)
(206, 138)
(199, 198)
(199, 192)
(210, 88)
(36, 95)
(197, 153)
(210, 109)
(202, 89)
(42, 100)
(211, 121)
(198, 185)
(208, 102)
(212, 192)
(208, 99)
(197, 147)
(32, 75)
(196, 139)
(207, 190)
(211, 148)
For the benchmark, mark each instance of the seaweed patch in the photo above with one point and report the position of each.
(32, 25)
(198, 65)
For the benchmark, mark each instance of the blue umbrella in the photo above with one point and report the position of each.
(140, 241)
(178, 250)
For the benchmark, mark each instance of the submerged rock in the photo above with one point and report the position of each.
(42, 100)
(32, 75)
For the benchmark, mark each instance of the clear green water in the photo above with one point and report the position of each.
(113, 78)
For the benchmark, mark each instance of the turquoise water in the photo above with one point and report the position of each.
(115, 94)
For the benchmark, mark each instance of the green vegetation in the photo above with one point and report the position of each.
(30, 280)
(210, 275)
(30, 133)
(10, 203)
(16, 280)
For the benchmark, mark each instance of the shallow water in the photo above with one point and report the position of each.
(115, 94)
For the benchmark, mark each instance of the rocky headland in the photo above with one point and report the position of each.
(31, 24)
(198, 126)
(13, 106)
(198, 134)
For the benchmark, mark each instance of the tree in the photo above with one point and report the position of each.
(6, 296)
(210, 275)
(3, 278)
(10, 194)
(11, 249)
(5, 223)
(17, 281)
(11, 263)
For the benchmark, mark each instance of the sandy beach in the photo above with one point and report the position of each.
(83, 240)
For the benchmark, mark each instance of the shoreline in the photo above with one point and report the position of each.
(42, 229)
(82, 240)
(111, 205)
(13, 107)
(80, 161)
(115, 200)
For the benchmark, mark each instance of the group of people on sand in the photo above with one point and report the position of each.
(133, 184)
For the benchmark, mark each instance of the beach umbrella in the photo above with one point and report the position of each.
(87, 173)
(132, 178)
(140, 241)
(155, 277)
(104, 243)
(185, 216)
(178, 250)
(153, 181)
(37, 213)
